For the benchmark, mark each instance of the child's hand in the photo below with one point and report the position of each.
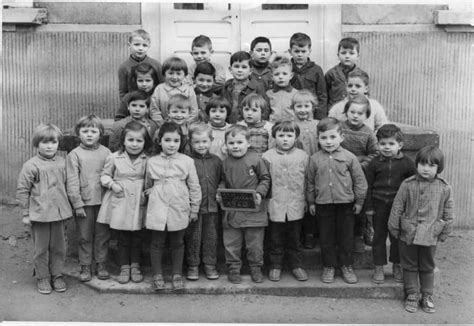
(312, 209)
(442, 237)
(193, 217)
(26, 220)
(357, 209)
(117, 190)
(80, 212)
(219, 198)
(147, 192)
(370, 216)
(258, 199)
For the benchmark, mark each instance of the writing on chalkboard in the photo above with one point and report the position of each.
(238, 200)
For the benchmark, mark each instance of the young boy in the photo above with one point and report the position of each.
(336, 77)
(244, 170)
(358, 85)
(336, 190)
(306, 73)
(281, 95)
(204, 229)
(201, 51)
(139, 44)
(235, 89)
(138, 103)
(204, 87)
(261, 51)
(384, 175)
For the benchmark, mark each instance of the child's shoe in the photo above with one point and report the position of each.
(397, 271)
(101, 271)
(177, 282)
(427, 303)
(211, 272)
(85, 275)
(274, 274)
(59, 284)
(256, 274)
(300, 274)
(378, 277)
(44, 286)
(411, 302)
(135, 273)
(124, 276)
(158, 282)
(359, 245)
(308, 241)
(348, 274)
(328, 275)
(193, 273)
(234, 277)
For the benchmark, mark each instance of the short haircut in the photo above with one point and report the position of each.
(205, 68)
(388, 131)
(430, 155)
(144, 68)
(234, 130)
(281, 61)
(138, 95)
(169, 126)
(286, 126)
(180, 101)
(300, 39)
(361, 100)
(45, 133)
(240, 56)
(259, 101)
(359, 73)
(174, 64)
(89, 121)
(139, 33)
(329, 124)
(201, 41)
(260, 39)
(348, 43)
(199, 128)
(304, 95)
(135, 126)
(218, 101)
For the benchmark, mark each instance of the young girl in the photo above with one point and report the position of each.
(123, 205)
(422, 214)
(218, 109)
(174, 197)
(42, 196)
(255, 111)
(144, 78)
(83, 167)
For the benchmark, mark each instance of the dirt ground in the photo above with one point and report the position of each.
(19, 299)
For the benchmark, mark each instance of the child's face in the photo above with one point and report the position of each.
(285, 140)
(357, 114)
(138, 109)
(238, 145)
(48, 148)
(178, 114)
(89, 136)
(201, 54)
(330, 140)
(139, 47)
(303, 110)
(174, 78)
(134, 142)
(252, 114)
(204, 82)
(282, 75)
(145, 82)
(356, 86)
(240, 70)
(300, 54)
(389, 147)
(201, 142)
(348, 57)
(170, 142)
(261, 52)
(217, 115)
(427, 170)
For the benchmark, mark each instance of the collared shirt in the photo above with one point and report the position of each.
(260, 136)
(308, 139)
(218, 146)
(361, 141)
(210, 173)
(422, 211)
(288, 171)
(262, 74)
(161, 96)
(336, 79)
(280, 103)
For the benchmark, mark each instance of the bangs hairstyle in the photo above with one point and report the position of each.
(281, 61)
(329, 124)
(135, 126)
(234, 130)
(388, 131)
(359, 73)
(303, 96)
(180, 101)
(257, 100)
(89, 121)
(169, 127)
(174, 64)
(260, 39)
(286, 126)
(45, 133)
(205, 68)
(138, 95)
(139, 33)
(218, 101)
(199, 128)
(348, 43)
(361, 100)
(430, 155)
(240, 56)
(201, 41)
(300, 39)
(144, 68)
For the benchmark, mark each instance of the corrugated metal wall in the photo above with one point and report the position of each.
(426, 79)
(53, 77)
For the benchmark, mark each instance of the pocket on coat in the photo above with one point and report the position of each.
(438, 227)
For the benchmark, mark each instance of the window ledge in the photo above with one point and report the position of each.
(25, 16)
(455, 20)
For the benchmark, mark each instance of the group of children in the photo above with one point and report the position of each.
(181, 134)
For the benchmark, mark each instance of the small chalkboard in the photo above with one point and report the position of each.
(238, 200)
